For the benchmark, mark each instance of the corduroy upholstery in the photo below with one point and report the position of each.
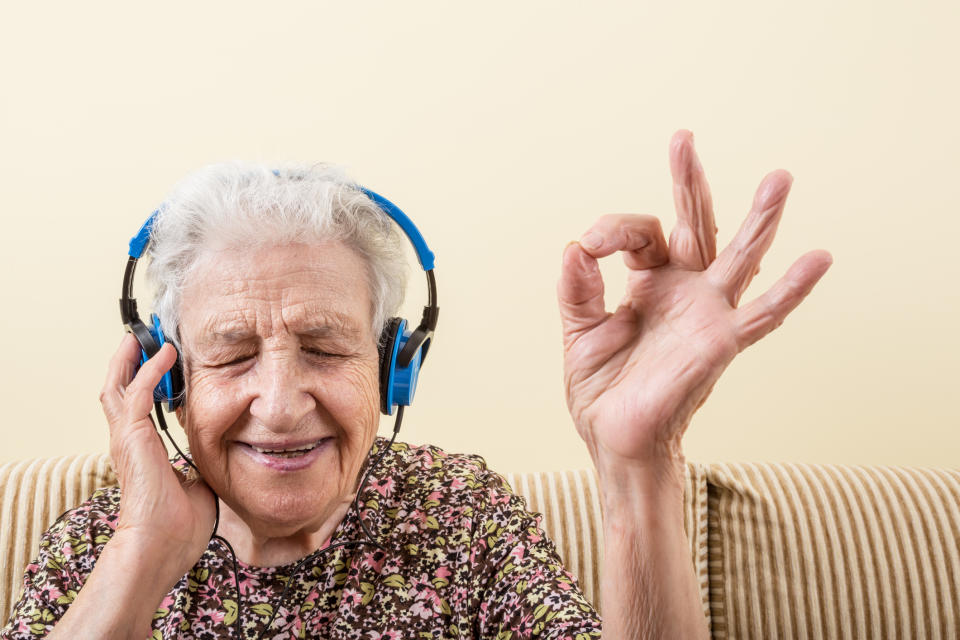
(823, 551)
(781, 551)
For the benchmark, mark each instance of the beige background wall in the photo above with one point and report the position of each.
(504, 129)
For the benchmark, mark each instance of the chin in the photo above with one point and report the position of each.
(279, 498)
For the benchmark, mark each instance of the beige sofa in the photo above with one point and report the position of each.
(781, 550)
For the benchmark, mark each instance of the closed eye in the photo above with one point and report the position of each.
(319, 353)
(236, 361)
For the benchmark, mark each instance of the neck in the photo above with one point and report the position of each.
(255, 546)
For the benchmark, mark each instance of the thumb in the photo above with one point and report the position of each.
(580, 291)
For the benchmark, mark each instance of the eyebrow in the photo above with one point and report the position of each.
(336, 326)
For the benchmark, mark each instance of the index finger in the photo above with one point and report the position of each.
(125, 390)
(640, 237)
(120, 372)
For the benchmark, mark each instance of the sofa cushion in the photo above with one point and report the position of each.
(819, 551)
(34, 493)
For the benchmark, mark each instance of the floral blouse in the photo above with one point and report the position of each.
(463, 559)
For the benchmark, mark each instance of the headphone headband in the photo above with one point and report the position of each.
(412, 345)
(424, 255)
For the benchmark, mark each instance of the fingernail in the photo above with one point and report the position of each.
(592, 240)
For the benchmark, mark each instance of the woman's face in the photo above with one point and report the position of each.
(282, 380)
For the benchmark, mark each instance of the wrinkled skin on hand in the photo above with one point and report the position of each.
(634, 377)
(159, 511)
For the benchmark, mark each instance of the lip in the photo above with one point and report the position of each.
(286, 464)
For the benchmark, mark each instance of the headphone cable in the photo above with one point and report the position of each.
(348, 543)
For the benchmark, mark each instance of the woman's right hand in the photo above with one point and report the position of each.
(160, 512)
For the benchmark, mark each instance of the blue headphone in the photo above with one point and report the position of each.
(402, 350)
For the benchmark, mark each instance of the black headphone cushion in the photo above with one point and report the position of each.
(387, 340)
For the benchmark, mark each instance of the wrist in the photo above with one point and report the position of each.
(120, 596)
(628, 483)
(143, 555)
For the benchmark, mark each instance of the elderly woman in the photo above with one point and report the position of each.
(274, 288)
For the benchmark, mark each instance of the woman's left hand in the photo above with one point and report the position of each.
(635, 377)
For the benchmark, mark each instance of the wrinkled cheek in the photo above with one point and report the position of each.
(205, 423)
(360, 413)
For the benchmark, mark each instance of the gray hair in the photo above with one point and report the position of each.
(242, 206)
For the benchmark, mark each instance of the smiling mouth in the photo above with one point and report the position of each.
(293, 452)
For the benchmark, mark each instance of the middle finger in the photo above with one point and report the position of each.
(693, 241)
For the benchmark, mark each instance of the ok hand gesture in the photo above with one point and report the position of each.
(634, 377)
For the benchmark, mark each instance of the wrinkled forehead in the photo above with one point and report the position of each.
(311, 290)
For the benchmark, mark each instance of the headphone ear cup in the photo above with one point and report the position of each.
(176, 384)
(388, 358)
(170, 388)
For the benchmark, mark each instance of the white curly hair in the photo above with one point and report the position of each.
(243, 205)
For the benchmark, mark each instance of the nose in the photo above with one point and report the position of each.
(281, 399)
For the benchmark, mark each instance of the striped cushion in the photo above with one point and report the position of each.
(570, 504)
(34, 494)
(816, 551)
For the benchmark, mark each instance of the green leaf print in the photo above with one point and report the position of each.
(230, 606)
(395, 581)
(367, 590)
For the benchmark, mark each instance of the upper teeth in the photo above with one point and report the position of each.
(305, 447)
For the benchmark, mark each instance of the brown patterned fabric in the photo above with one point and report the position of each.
(459, 556)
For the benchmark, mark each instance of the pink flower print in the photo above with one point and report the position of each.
(519, 552)
(423, 591)
(434, 495)
(210, 615)
(443, 572)
(406, 527)
(384, 487)
(374, 560)
(498, 498)
(457, 483)
(421, 609)
(351, 597)
(249, 584)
